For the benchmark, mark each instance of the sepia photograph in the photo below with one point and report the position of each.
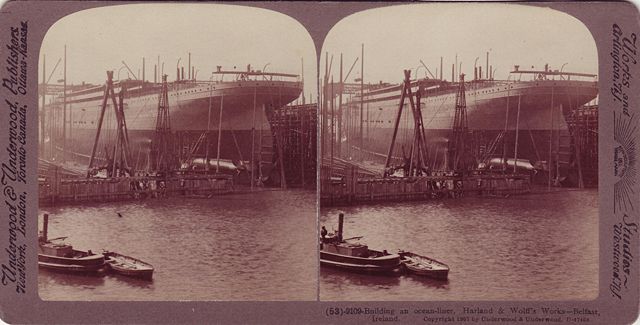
(177, 155)
(459, 155)
(319, 162)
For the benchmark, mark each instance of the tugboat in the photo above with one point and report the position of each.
(60, 256)
(354, 256)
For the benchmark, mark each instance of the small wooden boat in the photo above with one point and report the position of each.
(128, 266)
(353, 256)
(60, 256)
(425, 266)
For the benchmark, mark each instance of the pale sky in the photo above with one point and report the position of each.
(99, 39)
(398, 37)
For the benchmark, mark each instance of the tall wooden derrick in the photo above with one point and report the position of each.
(415, 164)
(116, 155)
(460, 157)
(162, 150)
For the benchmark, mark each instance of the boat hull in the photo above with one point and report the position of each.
(534, 108)
(70, 268)
(140, 274)
(486, 105)
(385, 264)
(434, 274)
(128, 266)
(88, 264)
(426, 266)
(239, 109)
(234, 145)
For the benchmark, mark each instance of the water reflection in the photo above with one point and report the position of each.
(132, 282)
(49, 278)
(338, 278)
(426, 282)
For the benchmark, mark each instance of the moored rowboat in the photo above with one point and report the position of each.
(425, 266)
(128, 266)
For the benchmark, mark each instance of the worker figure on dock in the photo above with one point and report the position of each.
(323, 232)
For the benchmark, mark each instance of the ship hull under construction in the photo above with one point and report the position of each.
(231, 109)
(533, 108)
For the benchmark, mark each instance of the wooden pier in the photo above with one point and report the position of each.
(53, 189)
(353, 189)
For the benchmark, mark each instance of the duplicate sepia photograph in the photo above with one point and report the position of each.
(177, 155)
(459, 149)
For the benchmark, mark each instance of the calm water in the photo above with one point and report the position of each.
(533, 247)
(258, 246)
